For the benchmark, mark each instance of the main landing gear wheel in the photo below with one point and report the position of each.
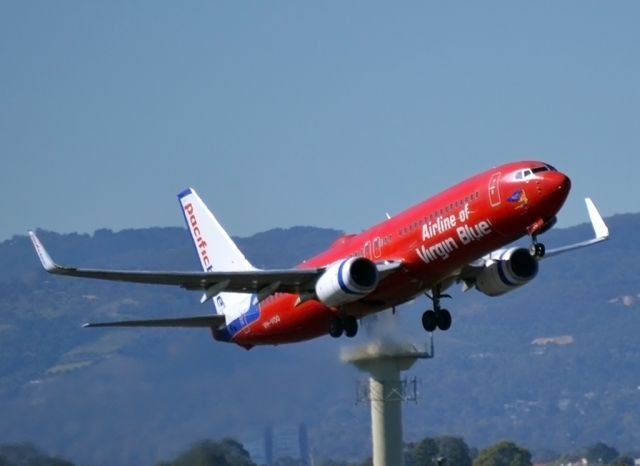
(432, 320)
(347, 325)
(444, 320)
(429, 321)
(350, 324)
(436, 318)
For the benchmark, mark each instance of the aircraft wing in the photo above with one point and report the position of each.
(212, 321)
(263, 282)
(250, 281)
(468, 274)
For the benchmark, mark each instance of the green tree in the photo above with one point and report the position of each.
(454, 450)
(288, 461)
(331, 462)
(504, 453)
(227, 452)
(622, 461)
(27, 454)
(600, 453)
(421, 453)
(49, 461)
(566, 458)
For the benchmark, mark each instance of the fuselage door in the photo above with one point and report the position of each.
(377, 247)
(494, 190)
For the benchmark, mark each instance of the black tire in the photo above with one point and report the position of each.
(444, 320)
(336, 328)
(350, 325)
(429, 321)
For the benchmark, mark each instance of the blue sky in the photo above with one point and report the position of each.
(306, 113)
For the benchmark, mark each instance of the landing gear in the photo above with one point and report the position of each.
(537, 228)
(438, 317)
(343, 324)
(429, 321)
(336, 328)
(444, 319)
(537, 249)
(350, 324)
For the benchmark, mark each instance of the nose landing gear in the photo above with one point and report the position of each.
(537, 228)
(537, 249)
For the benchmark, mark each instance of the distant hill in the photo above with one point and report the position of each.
(552, 365)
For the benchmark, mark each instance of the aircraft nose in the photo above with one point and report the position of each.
(559, 185)
(562, 182)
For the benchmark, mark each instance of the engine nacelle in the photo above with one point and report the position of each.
(346, 281)
(508, 270)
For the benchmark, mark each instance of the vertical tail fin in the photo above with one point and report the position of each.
(215, 248)
(216, 252)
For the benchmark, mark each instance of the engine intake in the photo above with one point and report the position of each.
(347, 281)
(512, 268)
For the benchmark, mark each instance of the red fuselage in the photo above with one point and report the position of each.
(432, 239)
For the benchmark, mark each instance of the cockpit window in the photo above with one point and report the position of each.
(543, 168)
(527, 172)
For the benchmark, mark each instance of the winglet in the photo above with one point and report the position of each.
(43, 255)
(600, 230)
(599, 227)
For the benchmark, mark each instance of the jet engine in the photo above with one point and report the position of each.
(506, 270)
(346, 281)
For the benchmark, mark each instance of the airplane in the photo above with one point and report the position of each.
(461, 235)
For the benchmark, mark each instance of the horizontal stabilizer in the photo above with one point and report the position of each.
(212, 321)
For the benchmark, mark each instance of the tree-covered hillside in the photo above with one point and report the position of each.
(554, 364)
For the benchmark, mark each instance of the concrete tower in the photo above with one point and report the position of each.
(384, 361)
